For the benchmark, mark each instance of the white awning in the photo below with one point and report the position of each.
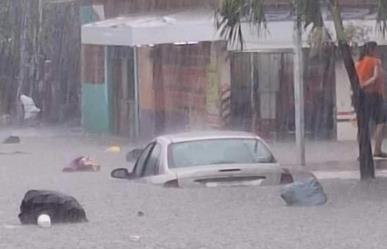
(194, 26)
(152, 28)
(279, 35)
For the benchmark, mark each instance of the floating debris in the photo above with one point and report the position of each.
(114, 149)
(134, 237)
(61, 208)
(44, 221)
(12, 140)
(308, 193)
(82, 163)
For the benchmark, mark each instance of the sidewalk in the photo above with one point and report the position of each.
(324, 155)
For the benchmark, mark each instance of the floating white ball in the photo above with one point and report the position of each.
(44, 220)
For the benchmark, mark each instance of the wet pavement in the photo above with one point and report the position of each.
(245, 217)
(323, 155)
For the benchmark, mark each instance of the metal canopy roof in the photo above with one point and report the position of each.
(152, 28)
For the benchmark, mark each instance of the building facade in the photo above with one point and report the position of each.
(152, 67)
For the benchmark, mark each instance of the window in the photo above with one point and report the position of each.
(152, 164)
(139, 167)
(218, 151)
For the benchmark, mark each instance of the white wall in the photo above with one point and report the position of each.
(345, 113)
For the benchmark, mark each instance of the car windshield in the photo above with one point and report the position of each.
(218, 151)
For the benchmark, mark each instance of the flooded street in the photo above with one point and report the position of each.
(175, 218)
(280, 89)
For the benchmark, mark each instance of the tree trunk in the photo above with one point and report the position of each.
(23, 59)
(367, 169)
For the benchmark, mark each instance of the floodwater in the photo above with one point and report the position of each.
(167, 80)
(246, 217)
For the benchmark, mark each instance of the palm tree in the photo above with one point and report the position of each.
(232, 13)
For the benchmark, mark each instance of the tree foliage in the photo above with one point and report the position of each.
(382, 16)
(32, 32)
(232, 13)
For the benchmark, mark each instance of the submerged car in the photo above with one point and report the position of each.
(208, 159)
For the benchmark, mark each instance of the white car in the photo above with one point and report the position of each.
(208, 159)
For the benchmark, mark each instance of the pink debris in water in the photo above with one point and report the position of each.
(82, 163)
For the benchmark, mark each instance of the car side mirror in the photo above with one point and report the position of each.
(121, 173)
(133, 155)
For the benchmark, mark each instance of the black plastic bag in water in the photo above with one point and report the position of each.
(12, 140)
(60, 207)
(309, 193)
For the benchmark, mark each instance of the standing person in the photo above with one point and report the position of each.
(369, 70)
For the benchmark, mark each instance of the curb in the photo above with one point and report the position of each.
(345, 175)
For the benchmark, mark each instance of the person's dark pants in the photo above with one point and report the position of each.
(375, 108)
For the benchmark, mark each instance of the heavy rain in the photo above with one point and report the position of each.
(192, 124)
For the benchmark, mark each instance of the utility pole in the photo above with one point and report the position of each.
(299, 89)
(136, 95)
(252, 95)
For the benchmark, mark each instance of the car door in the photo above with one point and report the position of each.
(142, 160)
(147, 167)
(151, 172)
(152, 163)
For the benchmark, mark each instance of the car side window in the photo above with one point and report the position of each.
(262, 153)
(139, 167)
(152, 163)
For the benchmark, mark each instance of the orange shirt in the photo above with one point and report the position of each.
(365, 70)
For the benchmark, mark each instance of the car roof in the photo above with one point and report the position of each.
(203, 135)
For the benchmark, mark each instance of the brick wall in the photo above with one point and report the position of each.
(180, 84)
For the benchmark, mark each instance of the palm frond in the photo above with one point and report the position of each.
(256, 13)
(233, 13)
(310, 12)
(382, 16)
